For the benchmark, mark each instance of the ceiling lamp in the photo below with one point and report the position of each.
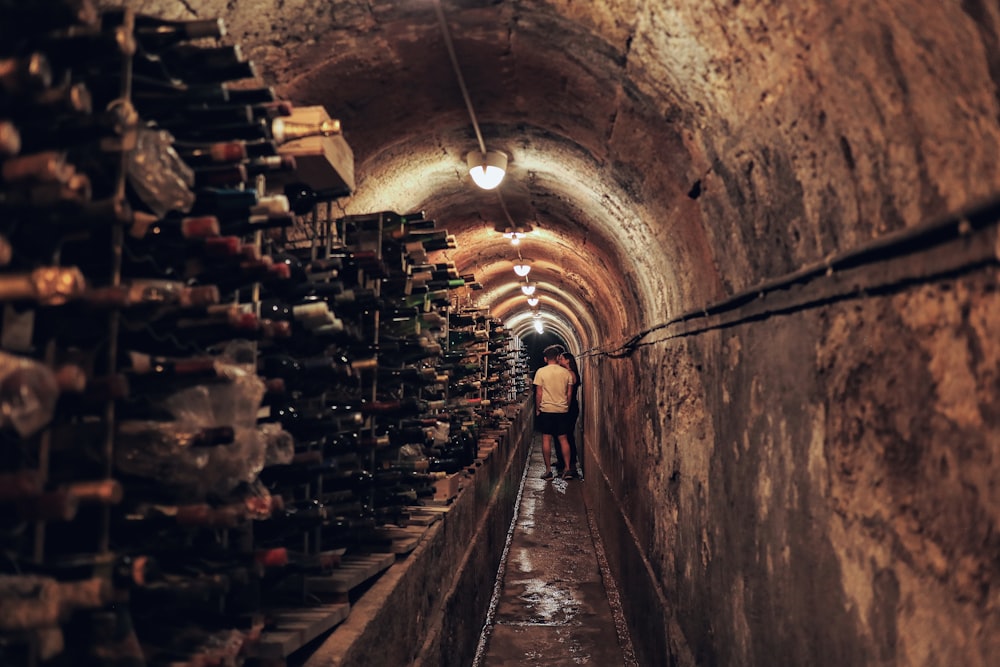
(522, 268)
(528, 289)
(515, 236)
(532, 301)
(538, 326)
(487, 169)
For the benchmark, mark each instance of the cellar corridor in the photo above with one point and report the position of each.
(769, 233)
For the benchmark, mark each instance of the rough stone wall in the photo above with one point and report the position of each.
(816, 488)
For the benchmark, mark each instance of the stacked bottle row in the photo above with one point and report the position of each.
(415, 367)
(132, 427)
(196, 413)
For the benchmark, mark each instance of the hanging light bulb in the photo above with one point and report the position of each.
(528, 289)
(515, 235)
(536, 313)
(538, 326)
(532, 301)
(522, 268)
(487, 169)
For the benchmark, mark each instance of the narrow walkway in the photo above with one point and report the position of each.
(553, 608)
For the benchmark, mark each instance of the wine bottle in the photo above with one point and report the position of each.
(153, 294)
(187, 592)
(47, 506)
(252, 95)
(298, 372)
(79, 47)
(224, 202)
(24, 75)
(42, 16)
(220, 175)
(256, 223)
(284, 131)
(198, 515)
(28, 602)
(194, 335)
(193, 132)
(395, 408)
(45, 166)
(195, 154)
(303, 198)
(20, 484)
(312, 424)
(10, 139)
(70, 130)
(155, 34)
(407, 375)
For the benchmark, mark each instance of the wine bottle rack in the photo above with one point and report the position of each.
(223, 398)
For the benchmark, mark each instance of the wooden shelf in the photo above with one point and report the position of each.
(291, 629)
(321, 162)
(354, 570)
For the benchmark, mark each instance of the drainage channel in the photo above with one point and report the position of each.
(554, 600)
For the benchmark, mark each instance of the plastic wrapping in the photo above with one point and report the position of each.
(279, 445)
(196, 469)
(160, 450)
(411, 452)
(28, 394)
(234, 404)
(441, 433)
(158, 174)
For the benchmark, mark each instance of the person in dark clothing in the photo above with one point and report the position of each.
(567, 361)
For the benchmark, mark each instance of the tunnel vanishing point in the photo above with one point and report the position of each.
(769, 230)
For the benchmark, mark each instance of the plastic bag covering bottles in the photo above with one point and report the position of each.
(28, 393)
(193, 468)
(159, 176)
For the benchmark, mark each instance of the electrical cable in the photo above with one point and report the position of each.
(909, 241)
(449, 45)
(458, 73)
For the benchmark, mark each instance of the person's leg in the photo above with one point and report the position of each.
(547, 452)
(564, 445)
(560, 461)
(574, 417)
(571, 436)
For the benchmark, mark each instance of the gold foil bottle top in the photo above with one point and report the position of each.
(285, 131)
(55, 286)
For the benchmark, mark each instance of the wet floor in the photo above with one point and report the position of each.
(552, 607)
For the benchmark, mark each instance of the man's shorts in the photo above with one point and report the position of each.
(552, 423)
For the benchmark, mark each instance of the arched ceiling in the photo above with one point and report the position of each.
(665, 153)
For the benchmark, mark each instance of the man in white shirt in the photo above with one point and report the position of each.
(553, 391)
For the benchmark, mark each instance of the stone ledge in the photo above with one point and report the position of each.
(429, 607)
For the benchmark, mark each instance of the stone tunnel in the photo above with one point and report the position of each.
(768, 231)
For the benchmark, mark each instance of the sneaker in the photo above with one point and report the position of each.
(547, 475)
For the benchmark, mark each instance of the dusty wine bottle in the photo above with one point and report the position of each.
(28, 602)
(24, 75)
(154, 33)
(49, 286)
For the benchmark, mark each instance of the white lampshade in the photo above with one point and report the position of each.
(515, 235)
(522, 269)
(538, 326)
(532, 301)
(487, 169)
(528, 289)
